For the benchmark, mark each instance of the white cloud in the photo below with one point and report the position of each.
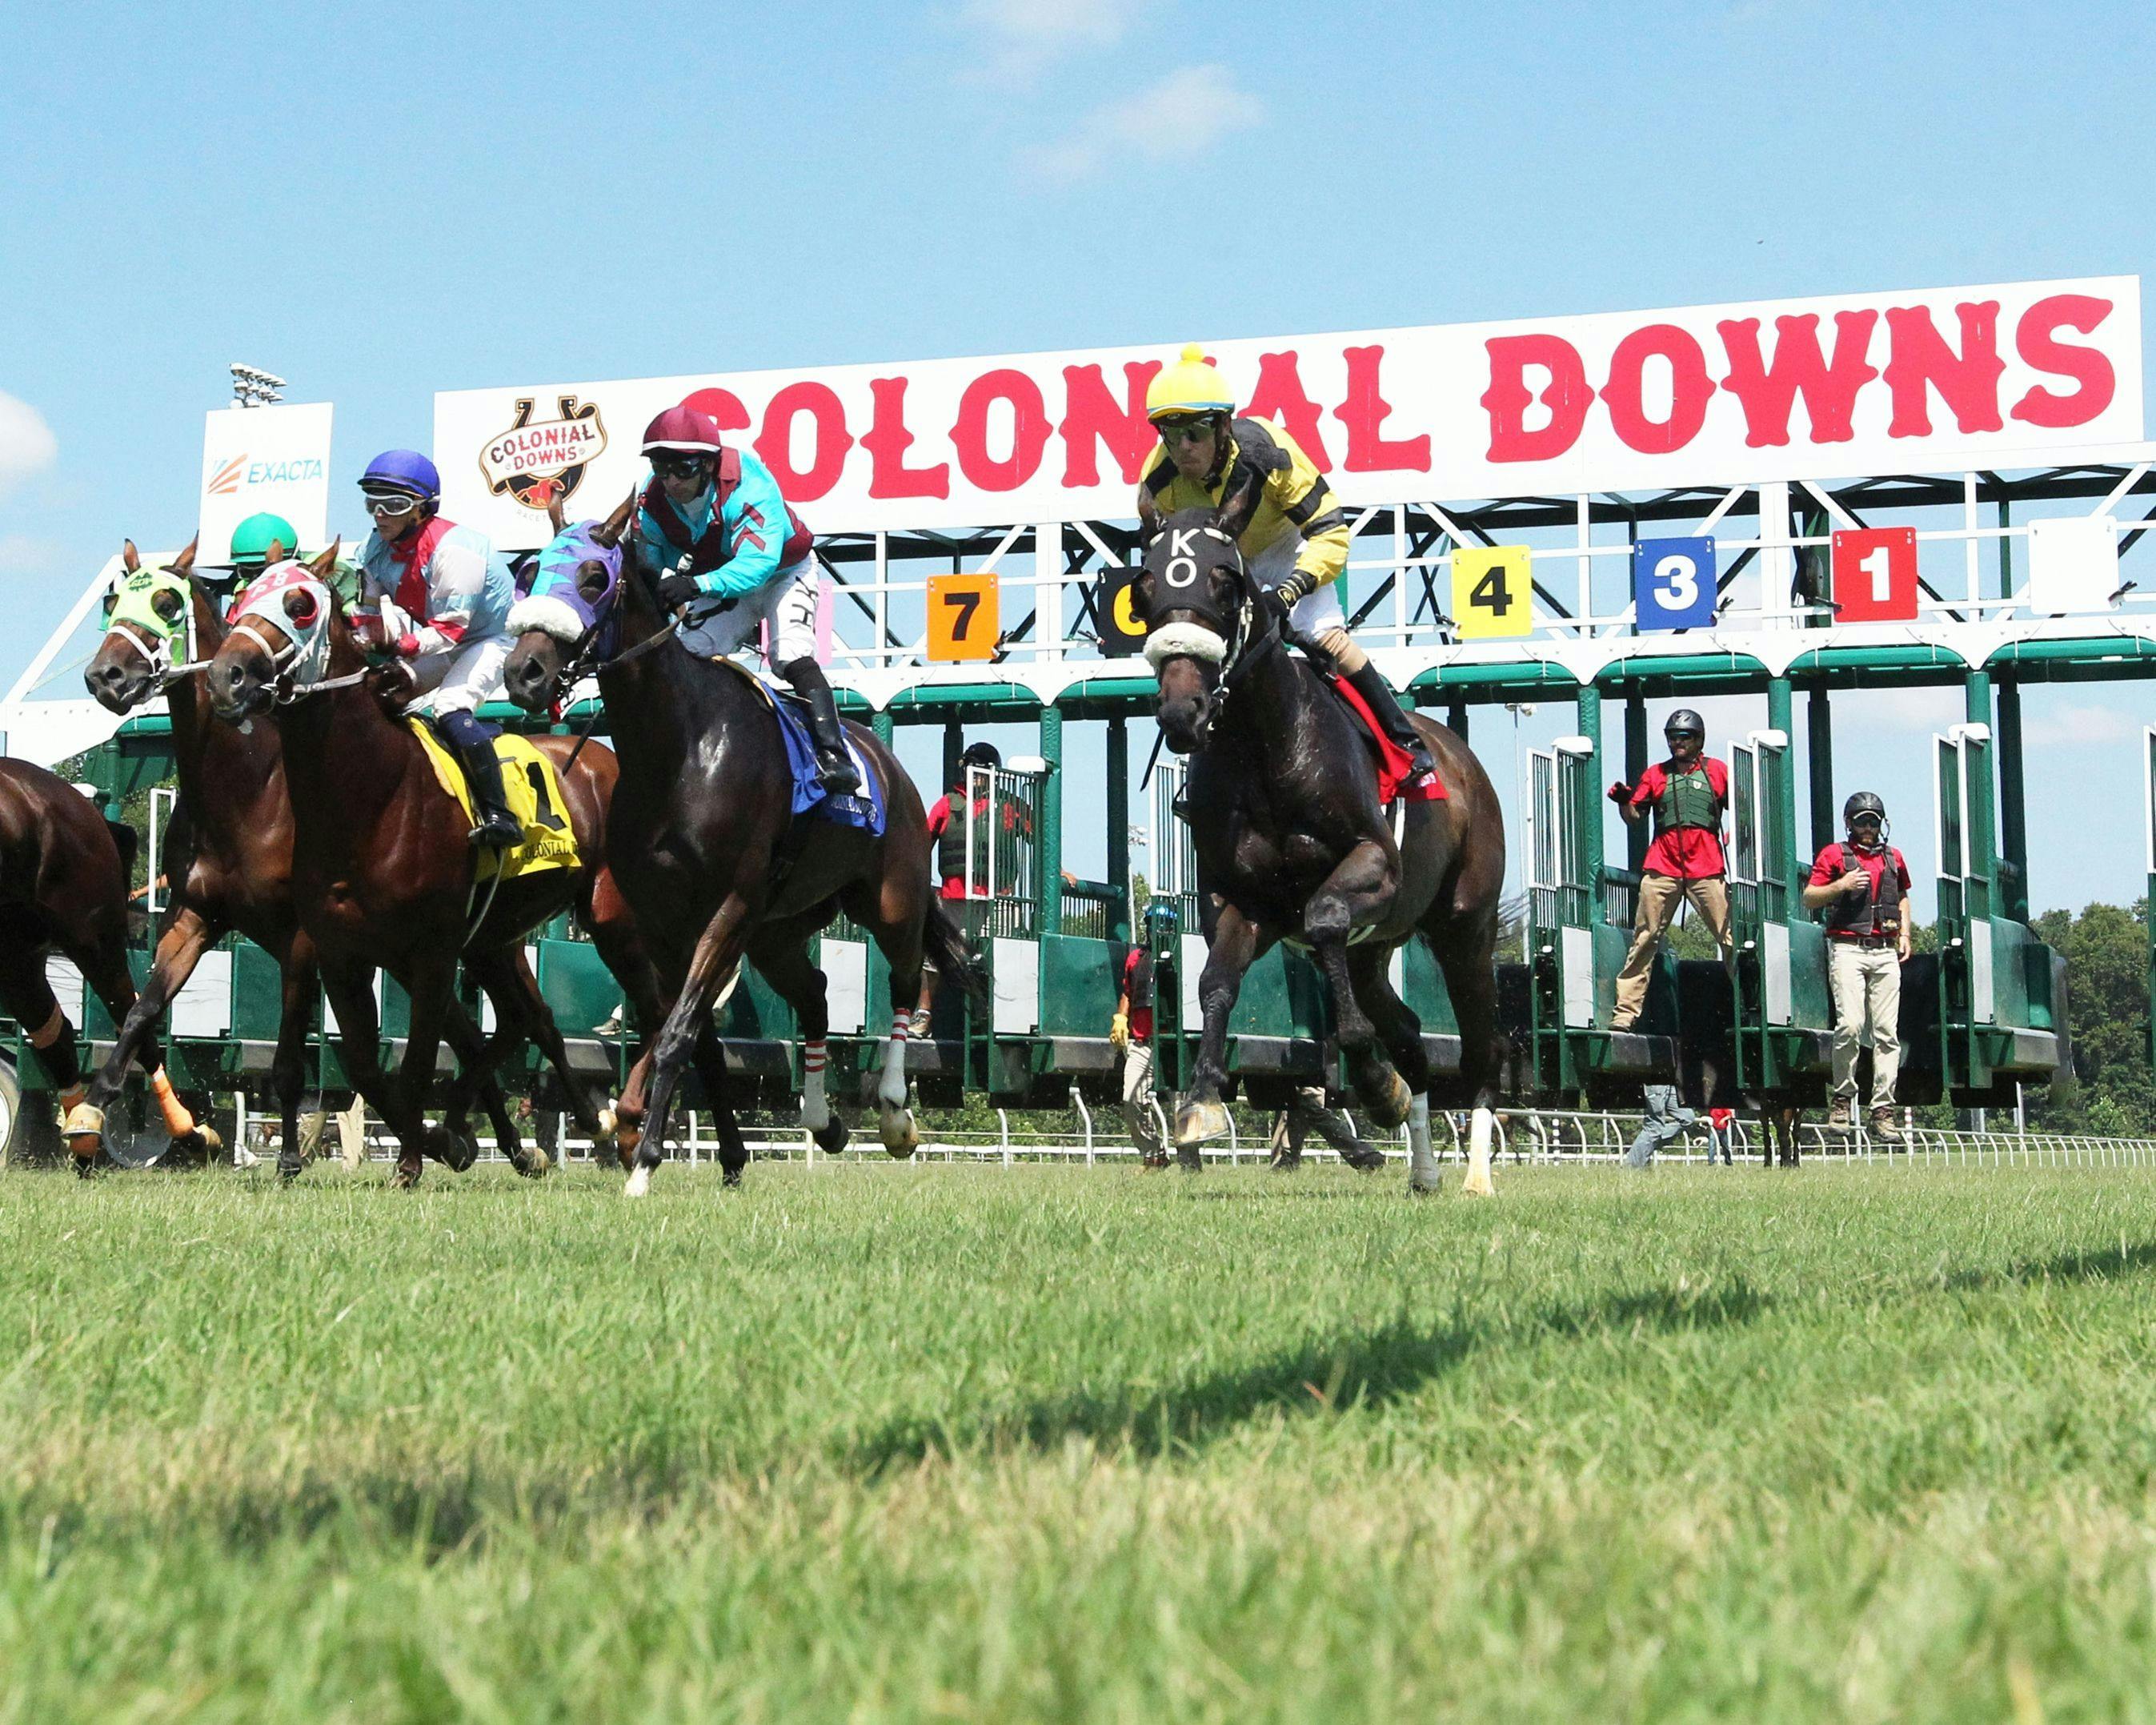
(2079, 727)
(1182, 115)
(27, 444)
(1017, 39)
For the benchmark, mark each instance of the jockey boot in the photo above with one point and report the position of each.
(496, 828)
(1385, 707)
(834, 766)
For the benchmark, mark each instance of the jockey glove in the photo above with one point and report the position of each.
(677, 590)
(1297, 588)
(1620, 793)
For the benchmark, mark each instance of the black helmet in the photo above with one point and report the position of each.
(1863, 802)
(1684, 719)
(981, 754)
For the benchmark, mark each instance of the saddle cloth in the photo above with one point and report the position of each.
(863, 809)
(1392, 759)
(533, 789)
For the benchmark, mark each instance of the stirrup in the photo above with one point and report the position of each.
(497, 832)
(836, 772)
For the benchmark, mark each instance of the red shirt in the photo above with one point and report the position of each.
(1684, 853)
(1837, 859)
(1141, 1016)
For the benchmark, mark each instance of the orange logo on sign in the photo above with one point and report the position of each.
(225, 481)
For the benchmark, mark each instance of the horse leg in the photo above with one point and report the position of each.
(298, 977)
(708, 1058)
(1465, 939)
(895, 914)
(529, 1005)
(431, 983)
(1237, 943)
(113, 984)
(477, 1057)
(1357, 893)
(1401, 1032)
(178, 951)
(28, 999)
(621, 946)
(780, 951)
(711, 968)
(351, 989)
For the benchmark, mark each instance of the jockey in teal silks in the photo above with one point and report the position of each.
(716, 534)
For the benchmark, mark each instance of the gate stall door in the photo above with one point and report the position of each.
(1004, 888)
(1174, 859)
(1759, 853)
(1560, 871)
(1961, 783)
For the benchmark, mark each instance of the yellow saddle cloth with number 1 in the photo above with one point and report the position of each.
(533, 789)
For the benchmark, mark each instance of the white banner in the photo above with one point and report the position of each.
(1932, 380)
(256, 459)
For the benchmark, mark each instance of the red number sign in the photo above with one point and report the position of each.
(1875, 576)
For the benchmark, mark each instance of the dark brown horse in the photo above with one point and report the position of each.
(64, 888)
(717, 866)
(382, 870)
(1292, 842)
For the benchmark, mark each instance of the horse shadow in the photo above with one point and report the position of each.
(2108, 1263)
(1349, 1368)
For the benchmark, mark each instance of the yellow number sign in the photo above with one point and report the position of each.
(1492, 591)
(964, 619)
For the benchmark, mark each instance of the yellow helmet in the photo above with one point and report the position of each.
(1192, 385)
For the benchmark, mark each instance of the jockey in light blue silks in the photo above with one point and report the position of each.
(712, 526)
(442, 599)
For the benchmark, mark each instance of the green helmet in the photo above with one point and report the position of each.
(252, 538)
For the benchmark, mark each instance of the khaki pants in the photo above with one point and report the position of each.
(1867, 1007)
(1658, 902)
(1142, 1115)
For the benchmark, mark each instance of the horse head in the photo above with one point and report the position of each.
(145, 615)
(567, 613)
(282, 631)
(1191, 596)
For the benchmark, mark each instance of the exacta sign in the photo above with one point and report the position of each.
(1817, 388)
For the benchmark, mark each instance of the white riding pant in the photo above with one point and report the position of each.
(1314, 612)
(457, 680)
(787, 602)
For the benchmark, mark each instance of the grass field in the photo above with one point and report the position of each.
(876, 1442)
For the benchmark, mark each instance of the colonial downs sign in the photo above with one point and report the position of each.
(1931, 380)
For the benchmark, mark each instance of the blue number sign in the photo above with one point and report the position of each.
(1673, 583)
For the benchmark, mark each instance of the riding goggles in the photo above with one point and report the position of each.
(1183, 430)
(680, 467)
(393, 504)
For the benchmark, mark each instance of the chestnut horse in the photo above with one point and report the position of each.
(233, 828)
(63, 888)
(705, 841)
(1292, 842)
(382, 872)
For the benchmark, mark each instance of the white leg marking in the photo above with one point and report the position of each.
(1422, 1163)
(1480, 1132)
(890, 1092)
(639, 1182)
(815, 1106)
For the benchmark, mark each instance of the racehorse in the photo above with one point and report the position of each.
(1293, 845)
(706, 846)
(382, 872)
(62, 887)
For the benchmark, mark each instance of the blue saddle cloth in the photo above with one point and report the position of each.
(863, 810)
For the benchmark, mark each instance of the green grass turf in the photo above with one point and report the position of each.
(874, 1442)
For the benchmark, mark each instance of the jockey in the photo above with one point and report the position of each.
(259, 541)
(1295, 542)
(443, 600)
(712, 526)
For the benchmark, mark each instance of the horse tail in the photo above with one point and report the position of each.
(951, 956)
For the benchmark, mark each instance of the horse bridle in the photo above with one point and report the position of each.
(158, 655)
(1242, 646)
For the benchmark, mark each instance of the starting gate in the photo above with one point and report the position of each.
(1782, 1025)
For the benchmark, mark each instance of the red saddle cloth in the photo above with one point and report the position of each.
(1392, 758)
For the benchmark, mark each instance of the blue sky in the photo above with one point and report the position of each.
(381, 203)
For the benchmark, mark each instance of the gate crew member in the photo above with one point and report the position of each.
(1863, 885)
(442, 599)
(949, 826)
(713, 525)
(1295, 544)
(1132, 1031)
(1688, 793)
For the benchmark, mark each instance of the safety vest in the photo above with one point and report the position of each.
(950, 842)
(1687, 798)
(1867, 912)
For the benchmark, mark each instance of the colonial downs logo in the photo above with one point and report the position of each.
(537, 461)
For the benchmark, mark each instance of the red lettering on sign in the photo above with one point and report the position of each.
(1364, 412)
(1280, 397)
(2035, 339)
(1690, 386)
(1567, 395)
(1092, 416)
(887, 442)
(1828, 387)
(723, 405)
(969, 437)
(1920, 362)
(833, 440)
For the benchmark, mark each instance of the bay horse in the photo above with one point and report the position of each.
(233, 831)
(1292, 844)
(63, 888)
(705, 843)
(383, 873)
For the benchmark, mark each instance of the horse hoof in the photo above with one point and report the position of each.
(1477, 1186)
(1197, 1121)
(831, 1137)
(455, 1151)
(900, 1134)
(85, 1167)
(1366, 1162)
(1286, 1163)
(1423, 1186)
(731, 1176)
(288, 1168)
(639, 1183)
(84, 1121)
(212, 1141)
(1188, 1160)
(1387, 1099)
(407, 1175)
(536, 1166)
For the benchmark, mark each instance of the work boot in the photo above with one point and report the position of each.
(496, 827)
(1391, 718)
(834, 766)
(1840, 1117)
(1883, 1127)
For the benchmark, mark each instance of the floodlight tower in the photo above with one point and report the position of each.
(254, 387)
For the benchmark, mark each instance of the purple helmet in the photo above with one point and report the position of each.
(405, 471)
